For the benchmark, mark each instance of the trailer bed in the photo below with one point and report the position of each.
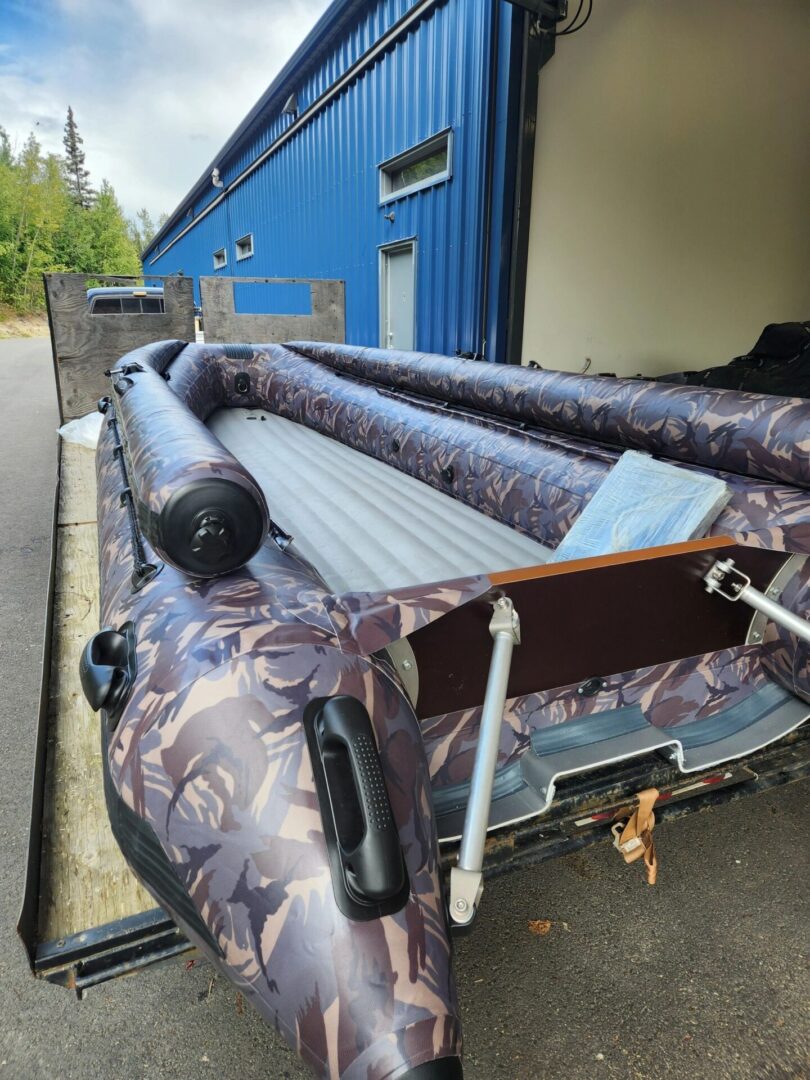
(86, 896)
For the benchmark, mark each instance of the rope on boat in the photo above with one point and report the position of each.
(144, 570)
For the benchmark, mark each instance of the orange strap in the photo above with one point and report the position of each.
(634, 839)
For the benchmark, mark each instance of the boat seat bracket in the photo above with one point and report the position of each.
(725, 579)
(466, 878)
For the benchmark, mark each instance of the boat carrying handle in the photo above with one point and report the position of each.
(107, 669)
(368, 869)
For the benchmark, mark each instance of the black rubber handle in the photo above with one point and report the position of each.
(367, 835)
(107, 667)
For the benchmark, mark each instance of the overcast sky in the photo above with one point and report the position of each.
(157, 86)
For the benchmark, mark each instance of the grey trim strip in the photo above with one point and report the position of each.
(773, 725)
(758, 706)
(508, 781)
(526, 787)
(559, 738)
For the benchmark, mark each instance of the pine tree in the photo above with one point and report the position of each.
(78, 177)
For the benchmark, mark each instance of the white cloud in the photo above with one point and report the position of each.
(156, 88)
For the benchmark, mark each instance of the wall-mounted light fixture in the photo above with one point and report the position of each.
(215, 178)
(291, 106)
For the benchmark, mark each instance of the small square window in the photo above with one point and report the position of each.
(105, 306)
(244, 247)
(220, 259)
(420, 167)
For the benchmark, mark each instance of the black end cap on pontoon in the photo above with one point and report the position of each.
(446, 1068)
(211, 527)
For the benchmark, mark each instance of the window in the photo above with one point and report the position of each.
(420, 167)
(106, 306)
(220, 259)
(244, 247)
(138, 301)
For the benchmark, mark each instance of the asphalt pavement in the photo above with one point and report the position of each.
(704, 976)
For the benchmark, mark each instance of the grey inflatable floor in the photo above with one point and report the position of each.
(363, 524)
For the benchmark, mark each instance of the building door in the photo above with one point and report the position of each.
(398, 295)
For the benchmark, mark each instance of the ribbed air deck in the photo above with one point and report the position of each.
(363, 524)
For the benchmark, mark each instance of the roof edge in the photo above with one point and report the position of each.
(328, 26)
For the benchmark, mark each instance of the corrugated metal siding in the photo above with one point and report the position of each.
(313, 206)
(357, 34)
(366, 28)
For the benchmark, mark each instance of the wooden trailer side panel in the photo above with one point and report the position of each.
(84, 880)
(86, 345)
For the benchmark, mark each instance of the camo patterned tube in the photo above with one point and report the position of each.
(785, 657)
(537, 480)
(183, 479)
(210, 752)
(752, 434)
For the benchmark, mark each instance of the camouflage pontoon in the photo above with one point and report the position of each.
(335, 636)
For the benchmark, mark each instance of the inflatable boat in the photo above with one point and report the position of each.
(340, 628)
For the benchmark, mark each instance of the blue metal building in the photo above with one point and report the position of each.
(387, 153)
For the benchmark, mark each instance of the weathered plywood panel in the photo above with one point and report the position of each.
(224, 324)
(85, 345)
(85, 881)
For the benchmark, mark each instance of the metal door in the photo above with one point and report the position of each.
(398, 296)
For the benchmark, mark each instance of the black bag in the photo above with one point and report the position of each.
(779, 363)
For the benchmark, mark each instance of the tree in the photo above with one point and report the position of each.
(43, 227)
(33, 200)
(46, 218)
(113, 251)
(143, 229)
(78, 177)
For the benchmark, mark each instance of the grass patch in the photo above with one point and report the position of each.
(15, 325)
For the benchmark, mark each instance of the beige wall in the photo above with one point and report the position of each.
(671, 209)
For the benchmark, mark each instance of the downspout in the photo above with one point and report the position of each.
(488, 179)
(219, 183)
(538, 48)
(502, 178)
(229, 232)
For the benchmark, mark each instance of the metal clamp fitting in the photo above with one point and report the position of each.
(715, 580)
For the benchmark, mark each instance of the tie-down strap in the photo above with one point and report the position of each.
(634, 839)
